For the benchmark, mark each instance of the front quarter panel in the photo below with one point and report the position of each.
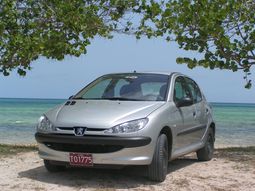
(157, 121)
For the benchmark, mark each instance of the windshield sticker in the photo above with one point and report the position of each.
(131, 77)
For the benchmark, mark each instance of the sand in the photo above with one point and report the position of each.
(25, 171)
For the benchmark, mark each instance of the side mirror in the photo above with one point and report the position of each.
(184, 102)
(71, 97)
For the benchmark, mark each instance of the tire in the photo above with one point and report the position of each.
(206, 153)
(157, 170)
(53, 168)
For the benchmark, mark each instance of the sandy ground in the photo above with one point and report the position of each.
(25, 171)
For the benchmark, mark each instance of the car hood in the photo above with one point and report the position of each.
(100, 113)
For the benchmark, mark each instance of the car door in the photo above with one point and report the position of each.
(200, 111)
(185, 114)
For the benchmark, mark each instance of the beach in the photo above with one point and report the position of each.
(232, 168)
(229, 170)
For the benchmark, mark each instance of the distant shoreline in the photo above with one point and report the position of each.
(35, 98)
(212, 102)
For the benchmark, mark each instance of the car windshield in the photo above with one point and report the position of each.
(127, 87)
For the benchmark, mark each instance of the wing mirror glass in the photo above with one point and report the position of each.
(184, 102)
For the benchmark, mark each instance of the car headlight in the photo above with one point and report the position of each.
(44, 125)
(128, 127)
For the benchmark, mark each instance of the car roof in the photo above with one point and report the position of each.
(146, 72)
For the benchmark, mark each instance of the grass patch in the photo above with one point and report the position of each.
(6, 150)
(245, 150)
(237, 154)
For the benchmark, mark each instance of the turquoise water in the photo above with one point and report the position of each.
(235, 122)
(19, 116)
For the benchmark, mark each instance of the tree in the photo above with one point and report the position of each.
(222, 31)
(53, 28)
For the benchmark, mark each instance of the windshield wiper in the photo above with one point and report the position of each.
(86, 98)
(110, 98)
(78, 98)
(121, 99)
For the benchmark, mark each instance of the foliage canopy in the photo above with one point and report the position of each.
(221, 31)
(52, 28)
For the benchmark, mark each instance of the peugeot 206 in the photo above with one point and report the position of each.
(125, 119)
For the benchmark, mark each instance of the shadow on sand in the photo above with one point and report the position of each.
(128, 177)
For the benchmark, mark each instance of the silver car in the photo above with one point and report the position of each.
(128, 119)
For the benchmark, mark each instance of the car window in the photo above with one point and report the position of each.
(98, 89)
(180, 89)
(119, 85)
(152, 88)
(129, 86)
(195, 91)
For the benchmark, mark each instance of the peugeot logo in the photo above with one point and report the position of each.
(79, 131)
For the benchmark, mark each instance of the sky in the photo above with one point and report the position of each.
(61, 79)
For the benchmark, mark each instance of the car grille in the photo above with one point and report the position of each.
(84, 148)
(87, 129)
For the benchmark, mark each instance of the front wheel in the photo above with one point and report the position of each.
(52, 167)
(206, 153)
(157, 170)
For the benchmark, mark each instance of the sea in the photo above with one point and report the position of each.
(235, 122)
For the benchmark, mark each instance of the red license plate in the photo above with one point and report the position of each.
(81, 159)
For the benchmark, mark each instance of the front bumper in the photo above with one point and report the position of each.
(131, 150)
(126, 142)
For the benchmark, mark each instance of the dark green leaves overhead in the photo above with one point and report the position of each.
(222, 31)
(52, 28)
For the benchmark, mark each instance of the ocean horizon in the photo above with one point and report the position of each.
(235, 122)
(33, 98)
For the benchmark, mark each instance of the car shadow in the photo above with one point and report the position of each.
(128, 177)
